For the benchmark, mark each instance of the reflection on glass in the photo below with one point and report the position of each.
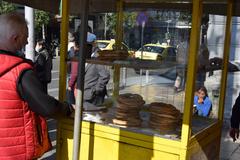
(157, 68)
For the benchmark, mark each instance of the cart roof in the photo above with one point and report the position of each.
(100, 6)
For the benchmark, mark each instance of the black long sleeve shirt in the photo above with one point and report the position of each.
(31, 90)
(235, 118)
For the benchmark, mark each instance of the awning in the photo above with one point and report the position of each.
(99, 6)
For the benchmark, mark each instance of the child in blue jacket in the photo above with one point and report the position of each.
(202, 103)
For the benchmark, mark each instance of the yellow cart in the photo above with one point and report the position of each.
(105, 142)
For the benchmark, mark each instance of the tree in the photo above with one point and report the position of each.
(129, 20)
(41, 20)
(6, 7)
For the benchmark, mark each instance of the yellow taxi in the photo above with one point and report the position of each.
(156, 52)
(110, 45)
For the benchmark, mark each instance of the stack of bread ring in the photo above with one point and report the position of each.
(163, 117)
(111, 55)
(127, 112)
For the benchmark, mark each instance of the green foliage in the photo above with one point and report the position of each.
(185, 16)
(6, 7)
(41, 18)
(111, 23)
(129, 20)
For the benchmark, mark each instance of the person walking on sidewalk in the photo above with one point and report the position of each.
(182, 53)
(43, 64)
(23, 102)
(235, 120)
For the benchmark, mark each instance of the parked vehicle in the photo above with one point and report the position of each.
(110, 45)
(156, 52)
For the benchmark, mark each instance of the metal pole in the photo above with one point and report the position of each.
(63, 49)
(80, 80)
(63, 68)
(119, 39)
(226, 52)
(105, 26)
(191, 71)
(124, 77)
(43, 32)
(29, 16)
(227, 47)
(142, 34)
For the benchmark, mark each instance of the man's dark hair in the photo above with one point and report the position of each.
(41, 42)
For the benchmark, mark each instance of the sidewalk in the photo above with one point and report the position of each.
(229, 150)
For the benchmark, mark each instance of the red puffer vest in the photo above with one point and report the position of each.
(23, 134)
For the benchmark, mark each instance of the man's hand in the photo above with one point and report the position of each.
(234, 133)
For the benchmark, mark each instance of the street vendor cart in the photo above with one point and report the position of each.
(193, 137)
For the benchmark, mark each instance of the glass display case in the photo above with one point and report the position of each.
(165, 99)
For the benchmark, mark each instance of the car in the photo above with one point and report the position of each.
(110, 45)
(157, 52)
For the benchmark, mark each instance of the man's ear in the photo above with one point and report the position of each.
(15, 37)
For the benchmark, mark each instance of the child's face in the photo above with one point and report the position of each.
(201, 94)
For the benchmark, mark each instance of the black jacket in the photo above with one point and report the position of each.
(235, 118)
(31, 90)
(43, 65)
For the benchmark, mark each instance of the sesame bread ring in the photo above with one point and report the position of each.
(128, 110)
(163, 121)
(133, 123)
(128, 107)
(157, 115)
(164, 115)
(162, 106)
(130, 99)
(126, 116)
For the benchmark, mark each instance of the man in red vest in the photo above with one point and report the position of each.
(23, 102)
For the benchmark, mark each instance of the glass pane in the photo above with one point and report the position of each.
(209, 71)
(156, 71)
(157, 41)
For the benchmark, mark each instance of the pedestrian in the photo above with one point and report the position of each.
(70, 92)
(203, 62)
(95, 81)
(23, 101)
(235, 120)
(43, 63)
(90, 36)
(202, 103)
(182, 52)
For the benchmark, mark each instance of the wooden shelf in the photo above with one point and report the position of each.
(137, 63)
